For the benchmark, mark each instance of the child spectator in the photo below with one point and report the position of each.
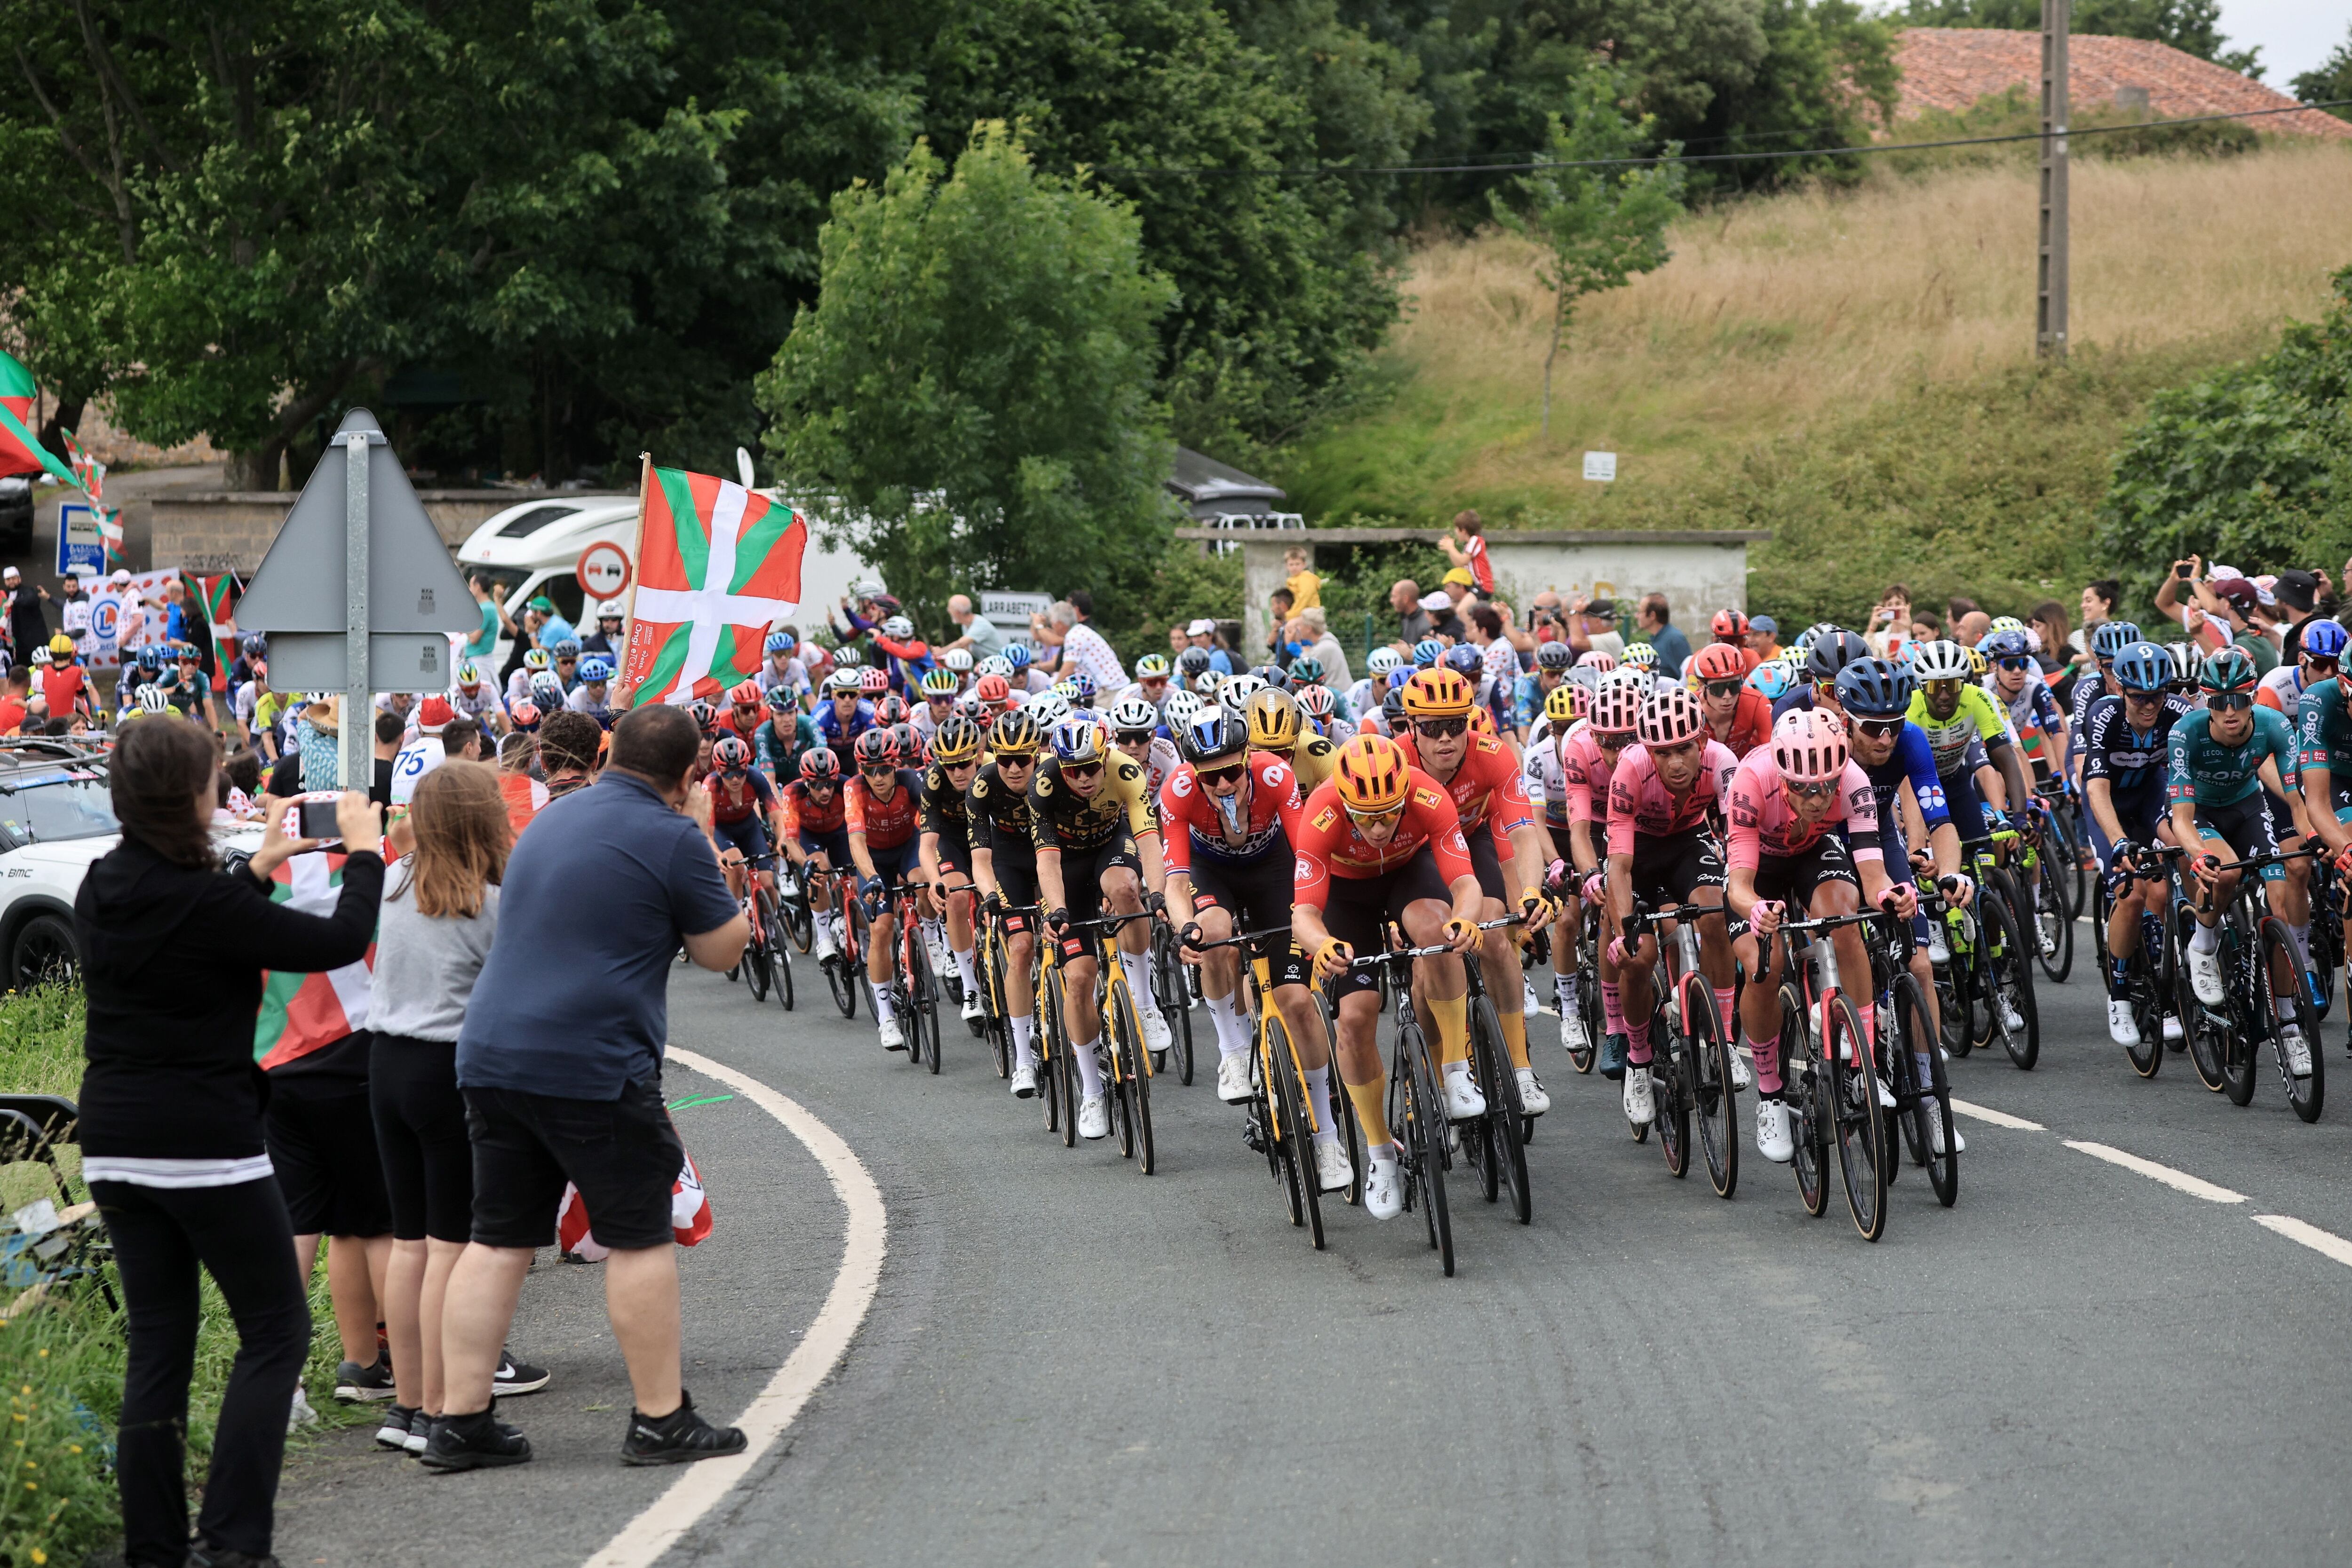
(1305, 587)
(524, 795)
(1467, 551)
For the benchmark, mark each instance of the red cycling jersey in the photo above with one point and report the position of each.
(1190, 820)
(739, 795)
(1329, 846)
(1751, 724)
(803, 813)
(1763, 822)
(725, 725)
(886, 823)
(1585, 768)
(1488, 789)
(1639, 801)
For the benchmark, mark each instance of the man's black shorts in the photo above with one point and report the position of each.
(1082, 879)
(623, 1155)
(1669, 868)
(1017, 878)
(955, 853)
(1358, 909)
(1256, 894)
(1793, 878)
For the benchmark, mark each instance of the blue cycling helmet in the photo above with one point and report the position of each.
(151, 658)
(1084, 685)
(1399, 675)
(780, 642)
(1875, 689)
(1467, 660)
(596, 667)
(1016, 654)
(2112, 637)
(2005, 645)
(1427, 652)
(2143, 667)
(1769, 679)
(1077, 741)
(2324, 639)
(1273, 675)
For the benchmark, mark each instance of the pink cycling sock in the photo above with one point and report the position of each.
(1613, 1010)
(1637, 1042)
(1869, 1012)
(1768, 1063)
(1723, 1008)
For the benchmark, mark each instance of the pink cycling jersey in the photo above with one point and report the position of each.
(1585, 769)
(1764, 822)
(1639, 801)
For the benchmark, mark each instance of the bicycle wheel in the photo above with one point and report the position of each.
(1708, 1075)
(1588, 1004)
(1053, 1039)
(2066, 849)
(846, 974)
(1913, 1038)
(1138, 1071)
(1956, 993)
(1286, 1094)
(2308, 1092)
(2053, 921)
(1174, 998)
(914, 976)
(1668, 1088)
(2009, 977)
(1418, 1114)
(1861, 1128)
(992, 1002)
(1805, 1092)
(753, 964)
(1505, 1113)
(798, 920)
(2205, 1030)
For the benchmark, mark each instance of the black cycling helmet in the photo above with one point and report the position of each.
(1273, 675)
(1554, 655)
(1831, 652)
(1213, 734)
(878, 745)
(1392, 705)
(1874, 688)
(1192, 661)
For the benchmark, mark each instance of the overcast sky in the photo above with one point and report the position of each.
(2295, 36)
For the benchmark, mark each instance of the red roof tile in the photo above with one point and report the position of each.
(1952, 67)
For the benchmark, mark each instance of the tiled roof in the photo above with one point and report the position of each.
(1952, 67)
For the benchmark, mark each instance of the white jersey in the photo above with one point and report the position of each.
(483, 706)
(420, 756)
(1158, 764)
(2285, 684)
(1539, 770)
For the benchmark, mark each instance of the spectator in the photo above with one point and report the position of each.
(424, 754)
(1179, 639)
(1653, 617)
(1466, 549)
(317, 734)
(172, 953)
(2297, 593)
(561, 1068)
(1764, 638)
(1305, 587)
(1325, 649)
(65, 684)
(461, 741)
(524, 795)
(73, 612)
(28, 625)
(2049, 622)
(240, 785)
(533, 634)
(1957, 610)
(1971, 629)
(2099, 602)
(1083, 648)
(17, 705)
(1460, 586)
(980, 634)
(2237, 605)
(1925, 625)
(390, 730)
(1414, 618)
(1499, 661)
(495, 619)
(1202, 634)
(1592, 628)
(1281, 607)
(568, 746)
(1890, 620)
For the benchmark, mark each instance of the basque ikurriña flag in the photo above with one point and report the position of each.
(717, 566)
(301, 1013)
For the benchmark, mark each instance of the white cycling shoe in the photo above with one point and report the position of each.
(1094, 1116)
(1532, 1098)
(1024, 1083)
(1234, 1077)
(1935, 1137)
(887, 1025)
(972, 1010)
(2012, 1020)
(2205, 977)
(1533, 1007)
(1937, 951)
(2172, 1031)
(1772, 1140)
(1383, 1186)
(1573, 1036)
(1333, 1170)
(2297, 1049)
(1156, 1038)
(1462, 1099)
(825, 946)
(1640, 1109)
(2122, 1028)
(1743, 1077)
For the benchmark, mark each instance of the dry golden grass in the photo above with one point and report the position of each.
(1779, 311)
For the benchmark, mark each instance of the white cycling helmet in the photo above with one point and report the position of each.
(958, 659)
(1641, 655)
(153, 700)
(994, 664)
(1942, 659)
(1050, 707)
(1382, 660)
(41, 655)
(1233, 695)
(611, 610)
(1179, 709)
(842, 680)
(1134, 713)
(898, 628)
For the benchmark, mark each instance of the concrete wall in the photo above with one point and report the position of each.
(231, 530)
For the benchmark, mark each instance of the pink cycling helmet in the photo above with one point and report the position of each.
(1671, 717)
(1604, 662)
(1617, 706)
(1808, 745)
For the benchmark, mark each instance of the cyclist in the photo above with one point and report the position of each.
(2318, 651)
(2033, 712)
(1005, 869)
(592, 696)
(1135, 729)
(1828, 652)
(879, 812)
(2324, 740)
(1364, 696)
(742, 803)
(565, 660)
(812, 825)
(1379, 842)
(1662, 851)
(1025, 677)
(2107, 642)
(958, 662)
(783, 671)
(1306, 674)
(534, 662)
(1737, 715)
(1729, 629)
(1589, 755)
(1150, 680)
(946, 827)
(788, 735)
(2127, 761)
(1097, 842)
(1968, 732)
(2229, 764)
(1540, 776)
(847, 715)
(1482, 775)
(1533, 690)
(1275, 726)
(475, 698)
(1787, 800)
(938, 690)
(1318, 709)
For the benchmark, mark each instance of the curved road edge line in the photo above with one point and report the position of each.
(655, 1531)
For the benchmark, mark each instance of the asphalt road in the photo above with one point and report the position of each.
(1067, 1362)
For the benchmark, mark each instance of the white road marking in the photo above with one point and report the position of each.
(2178, 1181)
(644, 1538)
(2311, 1236)
(1998, 1118)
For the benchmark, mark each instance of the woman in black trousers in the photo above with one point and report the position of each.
(173, 950)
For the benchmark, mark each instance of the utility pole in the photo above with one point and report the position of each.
(2050, 318)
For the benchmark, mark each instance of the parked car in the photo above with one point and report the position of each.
(17, 515)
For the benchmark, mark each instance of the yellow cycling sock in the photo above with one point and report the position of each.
(1515, 1036)
(1452, 1014)
(1370, 1112)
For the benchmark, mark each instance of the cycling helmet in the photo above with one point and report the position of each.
(1942, 659)
(1396, 678)
(61, 647)
(1979, 665)
(1427, 652)
(1599, 663)
(1016, 654)
(2008, 642)
(470, 675)
(1014, 734)
(849, 653)
(547, 689)
(1234, 695)
(1566, 704)
(1129, 714)
(1212, 734)
(912, 750)
(1317, 703)
(536, 658)
(1729, 624)
(873, 682)
(1831, 652)
(1769, 679)
(1067, 689)
(958, 739)
(704, 714)
(993, 689)
(1438, 694)
(1178, 710)
(958, 661)
(780, 642)
(2109, 638)
(1392, 705)
(525, 715)
(746, 694)
(611, 610)
(1617, 706)
(1875, 689)
(1152, 667)
(1049, 709)
(1464, 658)
(2002, 624)
(898, 628)
(152, 699)
(1554, 655)
(841, 682)
(254, 644)
(891, 710)
(569, 648)
(1716, 661)
(820, 766)
(1808, 745)
(971, 705)
(41, 657)
(1482, 722)
(1273, 720)
(1642, 656)
(596, 669)
(2324, 639)
(1670, 717)
(1207, 682)
(995, 664)
(1384, 659)
(1372, 774)
(1077, 741)
(1082, 689)
(1305, 670)
(1192, 661)
(151, 658)
(939, 683)
(1273, 675)
(879, 744)
(2231, 669)
(2143, 667)
(1814, 634)
(731, 753)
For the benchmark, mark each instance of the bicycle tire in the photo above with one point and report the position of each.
(2306, 1096)
(1935, 1104)
(1708, 1075)
(2201, 1027)
(1426, 1125)
(1505, 1110)
(2007, 971)
(905, 997)
(1146, 1152)
(1588, 1004)
(1291, 1127)
(847, 972)
(779, 962)
(2145, 993)
(1861, 1127)
(1168, 988)
(1801, 1073)
(992, 1001)
(800, 920)
(753, 963)
(1955, 996)
(1669, 1084)
(1054, 1039)
(1272, 1109)
(2051, 916)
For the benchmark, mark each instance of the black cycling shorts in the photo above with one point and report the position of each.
(1360, 908)
(2248, 827)
(320, 1135)
(1563, 843)
(1487, 861)
(832, 844)
(1081, 882)
(1669, 868)
(955, 851)
(1256, 894)
(1792, 880)
(1016, 879)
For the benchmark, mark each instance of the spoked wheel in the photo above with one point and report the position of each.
(2009, 983)
(847, 972)
(779, 962)
(1135, 1088)
(2308, 1092)
(1286, 1091)
(1418, 1114)
(1175, 998)
(798, 920)
(1708, 1075)
(1860, 1129)
(753, 964)
(1669, 1085)
(1914, 1037)
(2053, 921)
(1507, 1116)
(1808, 1096)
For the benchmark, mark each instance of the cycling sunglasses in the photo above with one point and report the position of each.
(1136, 736)
(1943, 686)
(1612, 740)
(1814, 791)
(2321, 668)
(1226, 774)
(1440, 729)
(877, 770)
(2013, 663)
(1367, 818)
(2143, 697)
(1080, 770)
(2229, 701)
(1880, 729)
(957, 767)
(1721, 688)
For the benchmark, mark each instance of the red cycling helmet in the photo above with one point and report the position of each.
(1717, 661)
(747, 694)
(1730, 624)
(878, 745)
(871, 681)
(819, 765)
(993, 689)
(731, 753)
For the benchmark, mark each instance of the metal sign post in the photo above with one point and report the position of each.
(359, 703)
(2050, 304)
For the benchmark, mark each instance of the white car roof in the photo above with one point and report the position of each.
(547, 530)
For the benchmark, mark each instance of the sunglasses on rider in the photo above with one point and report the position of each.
(1440, 729)
(1722, 688)
(2149, 698)
(1814, 791)
(1612, 740)
(2321, 668)
(1080, 770)
(1136, 736)
(2229, 701)
(1880, 729)
(1229, 773)
(1367, 818)
(2013, 663)
(877, 770)
(1943, 686)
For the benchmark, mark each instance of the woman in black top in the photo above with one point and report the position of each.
(172, 950)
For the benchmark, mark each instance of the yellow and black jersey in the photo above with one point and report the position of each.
(1311, 760)
(1058, 819)
(942, 808)
(1000, 814)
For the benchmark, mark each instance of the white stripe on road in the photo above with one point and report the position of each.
(644, 1538)
(2311, 1236)
(2178, 1181)
(1998, 1118)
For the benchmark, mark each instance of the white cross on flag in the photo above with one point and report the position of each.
(717, 566)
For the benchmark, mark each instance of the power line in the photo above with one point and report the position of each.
(1521, 167)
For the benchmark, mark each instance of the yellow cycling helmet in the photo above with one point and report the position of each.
(1978, 666)
(1273, 720)
(1438, 694)
(60, 645)
(1372, 774)
(1565, 706)
(1014, 734)
(955, 741)
(1482, 722)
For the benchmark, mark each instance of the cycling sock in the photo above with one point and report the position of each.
(2118, 978)
(2204, 938)
(1453, 1028)
(1319, 1095)
(1147, 1005)
(1090, 1077)
(2285, 1008)
(1725, 1013)
(1232, 1033)
(1566, 986)
(1515, 1036)
(1025, 1052)
(1612, 1008)
(964, 967)
(881, 998)
(1637, 1042)
(2301, 935)
(1371, 1112)
(1927, 1070)
(1768, 1062)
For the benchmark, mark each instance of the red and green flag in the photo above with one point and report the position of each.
(717, 566)
(20, 451)
(302, 1013)
(218, 594)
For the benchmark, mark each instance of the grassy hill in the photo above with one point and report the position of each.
(1851, 369)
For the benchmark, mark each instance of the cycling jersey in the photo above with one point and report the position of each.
(1060, 819)
(1159, 764)
(777, 757)
(1485, 788)
(2032, 714)
(1194, 824)
(1913, 760)
(479, 707)
(1584, 771)
(1764, 821)
(886, 823)
(1640, 803)
(2324, 728)
(1978, 718)
(1329, 844)
(2282, 689)
(1529, 700)
(1540, 775)
(838, 735)
(1312, 760)
(999, 815)
(942, 808)
(2207, 772)
(2130, 760)
(1750, 725)
(802, 814)
(735, 796)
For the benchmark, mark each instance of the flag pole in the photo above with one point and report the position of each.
(629, 675)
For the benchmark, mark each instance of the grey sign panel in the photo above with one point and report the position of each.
(413, 585)
(397, 661)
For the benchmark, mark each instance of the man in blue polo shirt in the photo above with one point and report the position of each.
(560, 1061)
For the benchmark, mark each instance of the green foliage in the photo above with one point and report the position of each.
(2330, 81)
(2192, 26)
(2252, 466)
(2015, 113)
(976, 380)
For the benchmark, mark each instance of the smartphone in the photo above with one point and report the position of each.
(318, 820)
(2183, 571)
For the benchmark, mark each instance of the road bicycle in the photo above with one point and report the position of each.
(2153, 972)
(2044, 889)
(1416, 1107)
(2076, 872)
(1176, 991)
(1985, 988)
(2254, 947)
(1118, 1043)
(765, 964)
(1831, 1088)
(1690, 1065)
(914, 987)
(1587, 994)
(844, 970)
(793, 906)
(1921, 1109)
(995, 970)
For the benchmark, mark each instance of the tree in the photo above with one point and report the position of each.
(1600, 225)
(973, 389)
(2330, 81)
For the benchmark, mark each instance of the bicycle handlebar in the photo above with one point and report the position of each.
(1238, 939)
(1405, 955)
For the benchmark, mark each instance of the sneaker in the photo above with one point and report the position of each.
(1572, 1034)
(1743, 1077)
(357, 1384)
(973, 1011)
(1612, 1055)
(1462, 1099)
(2296, 1049)
(1772, 1140)
(677, 1438)
(1156, 1038)
(476, 1442)
(2122, 1028)
(887, 1026)
(2205, 976)
(397, 1421)
(1333, 1170)
(1024, 1083)
(299, 1413)
(1094, 1116)
(420, 1432)
(1383, 1186)
(516, 1376)
(1532, 1098)
(1234, 1077)
(1938, 950)
(1640, 1109)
